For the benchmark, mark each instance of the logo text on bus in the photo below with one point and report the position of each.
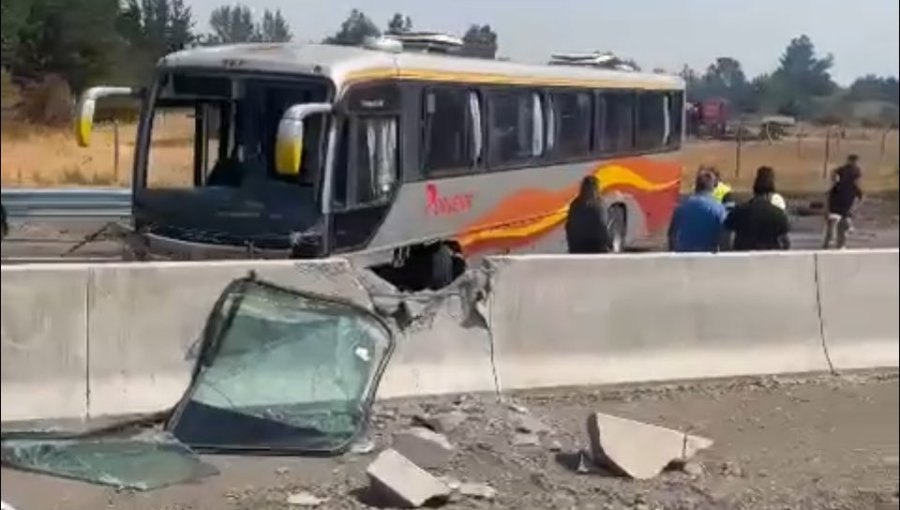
(438, 205)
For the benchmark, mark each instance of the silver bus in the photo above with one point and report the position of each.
(409, 163)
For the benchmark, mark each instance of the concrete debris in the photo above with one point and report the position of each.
(555, 446)
(478, 490)
(731, 469)
(520, 439)
(425, 447)
(639, 450)
(693, 469)
(452, 483)
(396, 481)
(583, 467)
(443, 423)
(512, 406)
(529, 424)
(304, 498)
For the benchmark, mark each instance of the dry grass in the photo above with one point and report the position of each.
(40, 157)
(800, 163)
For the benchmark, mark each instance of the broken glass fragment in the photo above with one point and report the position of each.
(283, 371)
(140, 462)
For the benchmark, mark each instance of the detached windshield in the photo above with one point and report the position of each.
(219, 131)
(283, 371)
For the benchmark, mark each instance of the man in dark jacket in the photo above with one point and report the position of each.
(587, 230)
(843, 199)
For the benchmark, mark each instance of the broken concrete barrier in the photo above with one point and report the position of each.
(397, 481)
(426, 448)
(639, 450)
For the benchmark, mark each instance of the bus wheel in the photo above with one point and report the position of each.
(617, 225)
(441, 267)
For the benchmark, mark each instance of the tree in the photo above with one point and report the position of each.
(875, 88)
(152, 29)
(232, 24)
(274, 28)
(76, 39)
(800, 78)
(13, 19)
(480, 41)
(399, 24)
(354, 30)
(725, 79)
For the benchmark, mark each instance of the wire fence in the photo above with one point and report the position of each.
(804, 158)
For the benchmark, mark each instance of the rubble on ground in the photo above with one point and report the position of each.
(424, 447)
(638, 450)
(396, 481)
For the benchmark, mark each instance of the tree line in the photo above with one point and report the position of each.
(800, 86)
(84, 42)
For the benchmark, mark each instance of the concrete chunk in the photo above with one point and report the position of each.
(426, 448)
(395, 481)
(636, 449)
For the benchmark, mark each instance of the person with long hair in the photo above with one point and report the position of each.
(759, 223)
(587, 229)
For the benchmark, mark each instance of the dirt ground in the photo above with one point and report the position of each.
(818, 442)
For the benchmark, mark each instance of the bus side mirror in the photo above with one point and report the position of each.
(84, 113)
(289, 139)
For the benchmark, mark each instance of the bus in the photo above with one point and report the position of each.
(411, 164)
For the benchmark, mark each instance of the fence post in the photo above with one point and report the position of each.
(827, 153)
(883, 150)
(800, 142)
(115, 151)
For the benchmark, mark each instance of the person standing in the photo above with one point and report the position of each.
(760, 224)
(697, 221)
(587, 229)
(844, 197)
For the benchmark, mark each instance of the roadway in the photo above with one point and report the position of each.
(46, 240)
(818, 442)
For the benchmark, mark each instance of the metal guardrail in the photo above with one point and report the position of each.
(62, 203)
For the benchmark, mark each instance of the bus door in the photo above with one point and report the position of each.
(366, 173)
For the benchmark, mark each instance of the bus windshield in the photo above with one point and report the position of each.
(206, 163)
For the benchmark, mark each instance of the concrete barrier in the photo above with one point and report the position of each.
(568, 320)
(859, 296)
(44, 342)
(440, 356)
(117, 339)
(146, 321)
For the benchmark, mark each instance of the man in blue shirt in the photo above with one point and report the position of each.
(698, 221)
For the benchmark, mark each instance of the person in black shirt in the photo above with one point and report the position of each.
(843, 198)
(758, 224)
(586, 224)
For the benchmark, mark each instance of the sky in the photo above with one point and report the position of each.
(862, 35)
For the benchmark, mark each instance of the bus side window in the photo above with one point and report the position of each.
(376, 159)
(652, 121)
(569, 124)
(676, 118)
(452, 137)
(618, 130)
(516, 127)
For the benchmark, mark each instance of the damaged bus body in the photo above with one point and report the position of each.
(407, 163)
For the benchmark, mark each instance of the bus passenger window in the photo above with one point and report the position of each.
(618, 126)
(516, 127)
(452, 137)
(376, 159)
(676, 118)
(569, 122)
(652, 116)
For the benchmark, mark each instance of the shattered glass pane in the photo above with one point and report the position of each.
(143, 462)
(284, 371)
